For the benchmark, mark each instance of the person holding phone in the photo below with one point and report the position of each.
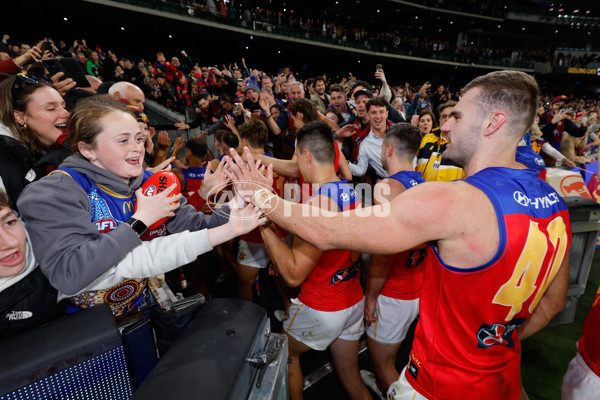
(35, 116)
(554, 123)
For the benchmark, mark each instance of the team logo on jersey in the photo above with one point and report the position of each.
(490, 335)
(150, 191)
(415, 258)
(413, 182)
(345, 197)
(344, 275)
(18, 315)
(539, 161)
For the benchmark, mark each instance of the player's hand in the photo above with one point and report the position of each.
(154, 208)
(214, 181)
(163, 166)
(163, 140)
(370, 310)
(273, 270)
(347, 131)
(248, 177)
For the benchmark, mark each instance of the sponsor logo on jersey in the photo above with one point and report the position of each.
(18, 315)
(490, 335)
(106, 225)
(537, 202)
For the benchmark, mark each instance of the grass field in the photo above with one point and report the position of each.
(546, 355)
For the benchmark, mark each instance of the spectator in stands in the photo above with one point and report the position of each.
(339, 103)
(162, 65)
(108, 146)
(184, 90)
(94, 64)
(321, 99)
(35, 117)
(425, 121)
(369, 153)
(554, 123)
(206, 114)
(129, 92)
(252, 91)
(26, 296)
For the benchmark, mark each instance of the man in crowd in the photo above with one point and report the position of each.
(554, 123)
(496, 269)
(339, 103)
(321, 99)
(129, 92)
(369, 153)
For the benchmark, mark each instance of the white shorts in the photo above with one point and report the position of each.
(318, 329)
(580, 382)
(253, 254)
(401, 390)
(256, 254)
(393, 319)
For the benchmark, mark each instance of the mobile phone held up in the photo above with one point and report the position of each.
(378, 67)
(68, 66)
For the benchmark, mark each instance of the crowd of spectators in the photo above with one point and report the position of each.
(226, 102)
(413, 41)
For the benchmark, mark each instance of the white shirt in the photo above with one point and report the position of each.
(369, 153)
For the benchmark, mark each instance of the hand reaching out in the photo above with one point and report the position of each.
(248, 177)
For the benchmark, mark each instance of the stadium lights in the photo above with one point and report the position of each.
(65, 18)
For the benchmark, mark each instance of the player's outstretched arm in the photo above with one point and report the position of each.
(422, 214)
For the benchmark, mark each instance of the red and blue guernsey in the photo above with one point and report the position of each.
(466, 345)
(406, 277)
(532, 160)
(109, 210)
(333, 283)
(589, 345)
(193, 178)
(279, 182)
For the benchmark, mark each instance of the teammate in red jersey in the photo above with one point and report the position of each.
(329, 309)
(497, 269)
(582, 380)
(252, 253)
(394, 281)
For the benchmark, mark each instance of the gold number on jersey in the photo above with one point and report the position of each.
(522, 283)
